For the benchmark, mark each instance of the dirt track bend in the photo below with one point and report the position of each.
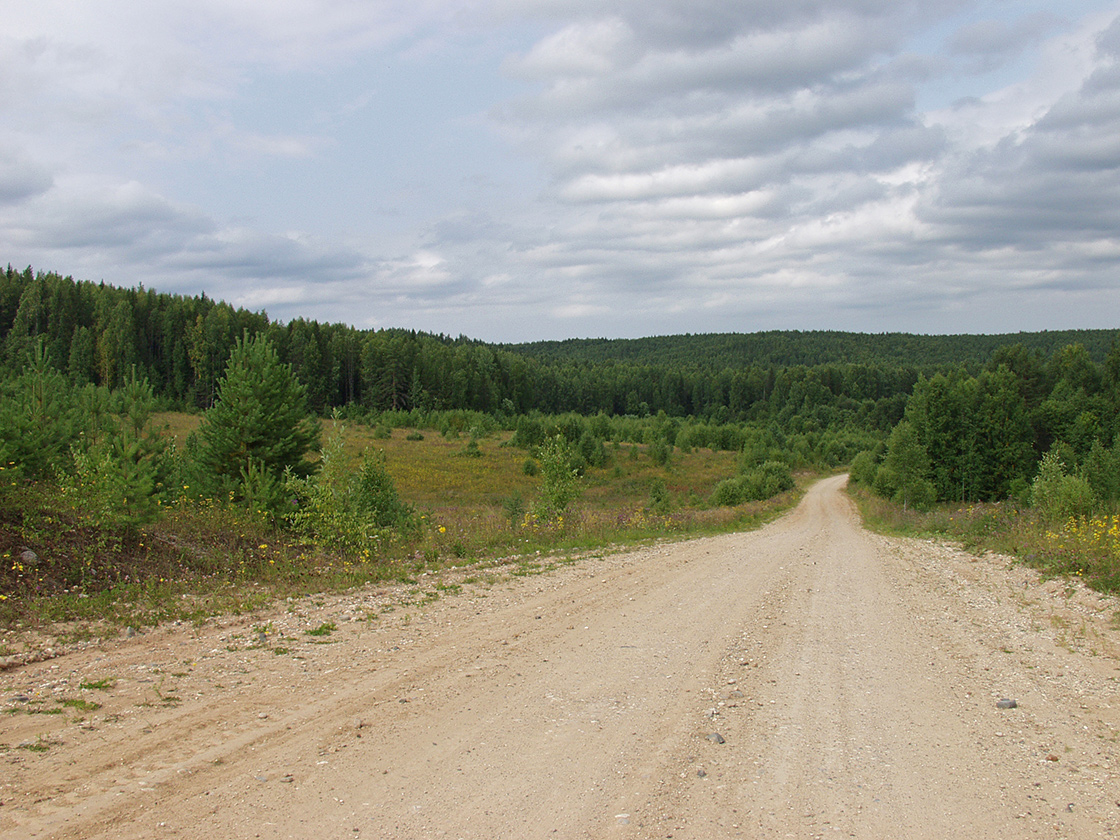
(853, 680)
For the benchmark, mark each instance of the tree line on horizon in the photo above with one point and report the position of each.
(96, 333)
(937, 417)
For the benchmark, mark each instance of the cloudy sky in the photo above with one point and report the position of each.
(524, 169)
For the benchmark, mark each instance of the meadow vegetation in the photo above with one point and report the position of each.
(383, 504)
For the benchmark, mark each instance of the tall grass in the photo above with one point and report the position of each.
(1082, 547)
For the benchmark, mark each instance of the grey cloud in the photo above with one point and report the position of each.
(889, 150)
(756, 133)
(1000, 204)
(841, 195)
(703, 189)
(1108, 42)
(729, 116)
(1093, 108)
(245, 253)
(702, 24)
(108, 217)
(1080, 151)
(21, 178)
(754, 62)
(1056, 181)
(678, 175)
(904, 144)
(996, 40)
(830, 109)
(758, 61)
(467, 227)
(752, 147)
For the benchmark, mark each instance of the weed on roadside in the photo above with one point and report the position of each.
(79, 704)
(103, 684)
(39, 746)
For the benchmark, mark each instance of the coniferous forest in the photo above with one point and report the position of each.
(1030, 419)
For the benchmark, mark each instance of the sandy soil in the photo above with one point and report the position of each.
(807, 680)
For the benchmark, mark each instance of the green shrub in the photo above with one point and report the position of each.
(347, 510)
(514, 508)
(113, 492)
(559, 482)
(765, 481)
(1101, 468)
(262, 494)
(1057, 495)
(119, 481)
(659, 501)
(260, 415)
(374, 495)
(660, 452)
(863, 468)
(728, 493)
(39, 420)
(591, 450)
(904, 476)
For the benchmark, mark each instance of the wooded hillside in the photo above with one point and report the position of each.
(95, 333)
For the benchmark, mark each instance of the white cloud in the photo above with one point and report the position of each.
(584, 48)
(678, 180)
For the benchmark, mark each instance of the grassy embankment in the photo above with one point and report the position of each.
(474, 502)
(1085, 548)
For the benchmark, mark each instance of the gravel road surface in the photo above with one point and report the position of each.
(806, 680)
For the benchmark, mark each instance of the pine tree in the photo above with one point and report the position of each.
(38, 419)
(260, 419)
(120, 479)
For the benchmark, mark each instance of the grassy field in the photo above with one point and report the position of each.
(436, 472)
(474, 499)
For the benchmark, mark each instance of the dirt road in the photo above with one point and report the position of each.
(806, 680)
